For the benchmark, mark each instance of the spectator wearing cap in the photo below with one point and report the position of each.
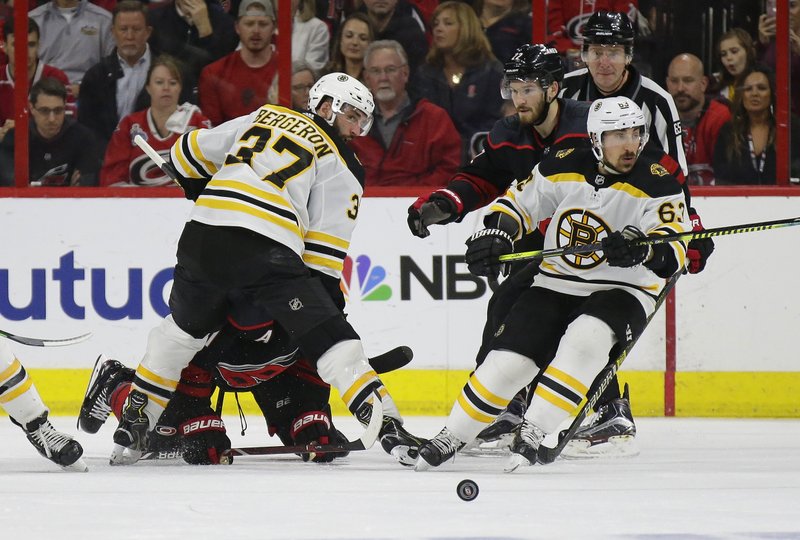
(245, 79)
(75, 35)
(197, 32)
(412, 141)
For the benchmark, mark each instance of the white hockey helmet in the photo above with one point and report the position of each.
(343, 90)
(611, 114)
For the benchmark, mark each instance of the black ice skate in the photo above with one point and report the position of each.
(131, 436)
(96, 406)
(526, 444)
(610, 431)
(398, 442)
(58, 447)
(438, 450)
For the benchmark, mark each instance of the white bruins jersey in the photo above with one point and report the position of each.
(281, 173)
(585, 207)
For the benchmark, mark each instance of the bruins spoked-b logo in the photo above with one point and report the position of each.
(577, 227)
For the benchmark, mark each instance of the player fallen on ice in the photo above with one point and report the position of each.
(277, 193)
(580, 308)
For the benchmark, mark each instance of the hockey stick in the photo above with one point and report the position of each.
(391, 360)
(364, 442)
(36, 342)
(165, 167)
(653, 240)
(546, 454)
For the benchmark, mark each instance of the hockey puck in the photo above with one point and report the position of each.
(467, 490)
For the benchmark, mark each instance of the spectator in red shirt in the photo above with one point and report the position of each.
(160, 125)
(36, 70)
(701, 119)
(412, 141)
(245, 79)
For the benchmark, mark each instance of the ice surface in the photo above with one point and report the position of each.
(694, 478)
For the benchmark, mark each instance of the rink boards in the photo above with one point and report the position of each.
(104, 265)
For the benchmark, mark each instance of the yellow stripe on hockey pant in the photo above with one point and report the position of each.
(472, 412)
(18, 391)
(554, 399)
(147, 375)
(10, 371)
(233, 206)
(569, 380)
(486, 394)
(356, 387)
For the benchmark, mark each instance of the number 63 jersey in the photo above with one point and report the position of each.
(280, 173)
(585, 207)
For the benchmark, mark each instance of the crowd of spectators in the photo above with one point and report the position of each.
(103, 71)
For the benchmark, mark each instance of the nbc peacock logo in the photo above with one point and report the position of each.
(363, 280)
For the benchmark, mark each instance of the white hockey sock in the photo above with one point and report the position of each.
(345, 367)
(169, 350)
(582, 353)
(488, 391)
(18, 394)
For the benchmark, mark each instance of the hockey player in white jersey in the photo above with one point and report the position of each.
(277, 192)
(583, 307)
(20, 399)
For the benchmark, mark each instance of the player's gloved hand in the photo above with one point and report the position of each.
(204, 439)
(315, 427)
(619, 249)
(436, 207)
(699, 249)
(483, 249)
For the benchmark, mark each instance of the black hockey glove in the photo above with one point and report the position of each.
(316, 427)
(620, 251)
(204, 439)
(436, 207)
(700, 249)
(483, 249)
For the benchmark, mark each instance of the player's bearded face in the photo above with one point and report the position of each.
(528, 98)
(621, 148)
(351, 122)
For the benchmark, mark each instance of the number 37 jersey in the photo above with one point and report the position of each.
(280, 173)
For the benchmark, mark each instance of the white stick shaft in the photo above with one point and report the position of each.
(147, 149)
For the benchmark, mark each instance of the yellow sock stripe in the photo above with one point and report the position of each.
(10, 371)
(18, 391)
(472, 412)
(147, 375)
(481, 390)
(555, 373)
(383, 392)
(151, 397)
(356, 387)
(555, 399)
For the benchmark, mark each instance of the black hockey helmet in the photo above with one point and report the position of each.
(533, 63)
(608, 28)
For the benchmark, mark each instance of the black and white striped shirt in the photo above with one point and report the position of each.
(656, 103)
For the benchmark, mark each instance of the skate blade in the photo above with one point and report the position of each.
(422, 465)
(515, 462)
(615, 447)
(78, 466)
(402, 455)
(497, 447)
(122, 455)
